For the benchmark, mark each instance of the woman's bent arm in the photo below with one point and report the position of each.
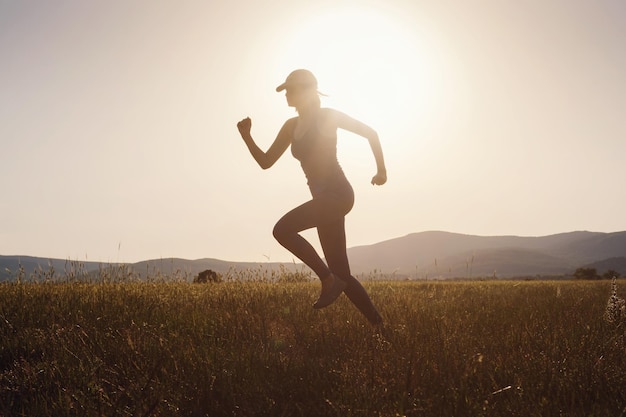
(381, 171)
(348, 123)
(265, 159)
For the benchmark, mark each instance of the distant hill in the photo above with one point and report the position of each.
(183, 267)
(612, 264)
(10, 266)
(42, 268)
(446, 255)
(431, 254)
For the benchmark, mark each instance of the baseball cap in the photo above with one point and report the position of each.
(299, 77)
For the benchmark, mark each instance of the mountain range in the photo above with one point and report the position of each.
(453, 255)
(433, 255)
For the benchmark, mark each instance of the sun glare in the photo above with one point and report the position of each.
(370, 64)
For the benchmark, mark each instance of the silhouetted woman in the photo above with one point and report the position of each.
(313, 139)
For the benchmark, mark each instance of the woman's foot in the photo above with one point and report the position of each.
(332, 287)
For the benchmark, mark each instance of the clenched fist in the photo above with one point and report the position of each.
(380, 178)
(244, 126)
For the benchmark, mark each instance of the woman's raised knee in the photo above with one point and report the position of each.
(280, 232)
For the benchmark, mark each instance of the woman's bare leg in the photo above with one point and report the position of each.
(327, 214)
(307, 216)
(333, 240)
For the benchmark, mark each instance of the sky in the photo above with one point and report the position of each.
(118, 139)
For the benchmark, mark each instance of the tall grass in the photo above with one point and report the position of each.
(259, 349)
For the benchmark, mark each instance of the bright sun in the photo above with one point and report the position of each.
(370, 64)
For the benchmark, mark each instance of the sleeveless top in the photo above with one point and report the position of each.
(318, 157)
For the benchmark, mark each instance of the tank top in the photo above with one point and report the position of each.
(317, 154)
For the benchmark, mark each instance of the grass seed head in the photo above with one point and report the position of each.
(616, 307)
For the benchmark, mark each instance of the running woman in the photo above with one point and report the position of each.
(312, 136)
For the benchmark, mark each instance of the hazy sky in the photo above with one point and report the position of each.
(118, 120)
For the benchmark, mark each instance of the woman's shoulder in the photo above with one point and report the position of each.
(287, 130)
(327, 122)
(290, 124)
(333, 115)
(328, 112)
(328, 115)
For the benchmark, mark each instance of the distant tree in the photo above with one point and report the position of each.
(586, 273)
(610, 274)
(207, 276)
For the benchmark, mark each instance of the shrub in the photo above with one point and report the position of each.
(207, 276)
(586, 273)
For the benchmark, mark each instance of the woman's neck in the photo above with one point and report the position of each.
(308, 112)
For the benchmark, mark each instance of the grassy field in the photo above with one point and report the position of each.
(259, 349)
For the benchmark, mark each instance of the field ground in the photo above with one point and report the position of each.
(511, 348)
